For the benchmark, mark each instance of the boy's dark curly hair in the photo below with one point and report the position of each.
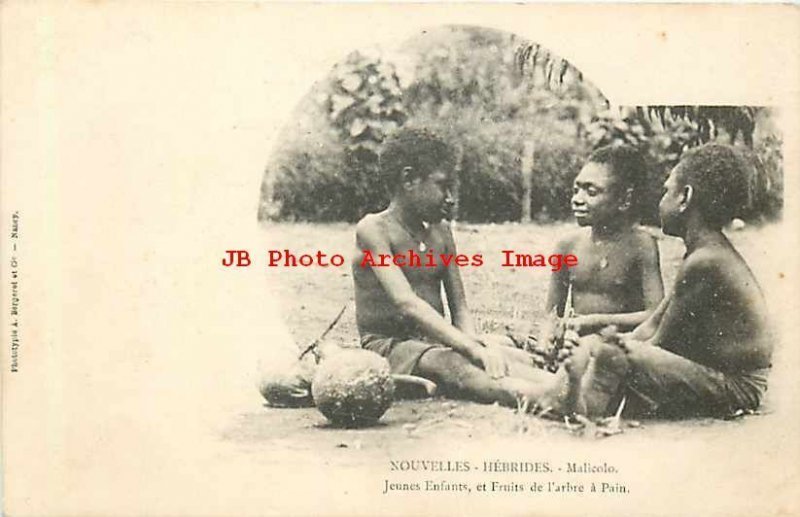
(625, 163)
(719, 177)
(420, 150)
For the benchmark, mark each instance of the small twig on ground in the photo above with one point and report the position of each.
(589, 428)
(618, 414)
(461, 423)
(613, 425)
(316, 342)
(522, 413)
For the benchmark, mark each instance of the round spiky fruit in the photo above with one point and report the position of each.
(353, 387)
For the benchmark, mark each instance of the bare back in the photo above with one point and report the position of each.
(717, 315)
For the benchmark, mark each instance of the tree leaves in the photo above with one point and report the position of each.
(365, 102)
(486, 92)
(357, 128)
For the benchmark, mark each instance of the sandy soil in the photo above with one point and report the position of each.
(501, 298)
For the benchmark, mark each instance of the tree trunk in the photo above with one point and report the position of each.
(527, 179)
(457, 186)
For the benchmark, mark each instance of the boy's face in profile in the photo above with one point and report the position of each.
(669, 208)
(432, 195)
(594, 197)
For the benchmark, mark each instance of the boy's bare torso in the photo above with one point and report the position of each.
(608, 277)
(375, 311)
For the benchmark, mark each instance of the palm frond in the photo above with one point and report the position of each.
(734, 120)
(532, 61)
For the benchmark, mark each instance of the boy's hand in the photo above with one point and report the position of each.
(491, 359)
(629, 344)
(571, 340)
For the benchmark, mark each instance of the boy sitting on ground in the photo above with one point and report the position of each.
(706, 349)
(400, 308)
(617, 280)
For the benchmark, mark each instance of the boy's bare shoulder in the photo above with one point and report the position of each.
(644, 241)
(371, 226)
(712, 262)
(567, 243)
(722, 270)
(718, 257)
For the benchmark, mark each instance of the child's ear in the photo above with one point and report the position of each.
(407, 177)
(686, 197)
(627, 200)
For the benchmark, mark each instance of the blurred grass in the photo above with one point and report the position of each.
(500, 298)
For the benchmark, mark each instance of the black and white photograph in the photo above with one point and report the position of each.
(469, 241)
(263, 259)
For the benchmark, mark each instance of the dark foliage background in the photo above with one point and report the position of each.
(494, 97)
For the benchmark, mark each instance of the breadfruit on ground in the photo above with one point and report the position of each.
(353, 388)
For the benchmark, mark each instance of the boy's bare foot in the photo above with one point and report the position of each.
(566, 396)
(602, 378)
(576, 365)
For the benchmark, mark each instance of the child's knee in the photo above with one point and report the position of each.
(442, 363)
(453, 370)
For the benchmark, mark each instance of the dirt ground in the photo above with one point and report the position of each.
(436, 421)
(297, 463)
(501, 299)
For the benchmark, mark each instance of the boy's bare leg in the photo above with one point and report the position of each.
(521, 364)
(459, 378)
(560, 392)
(669, 385)
(590, 377)
(566, 394)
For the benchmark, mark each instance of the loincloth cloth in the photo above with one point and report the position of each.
(403, 354)
(664, 384)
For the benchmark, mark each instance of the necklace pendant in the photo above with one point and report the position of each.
(422, 247)
(604, 263)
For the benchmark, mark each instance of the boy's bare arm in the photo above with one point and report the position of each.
(652, 283)
(370, 235)
(559, 282)
(691, 299)
(624, 321)
(647, 329)
(454, 288)
(669, 321)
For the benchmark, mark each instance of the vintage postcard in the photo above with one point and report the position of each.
(399, 259)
